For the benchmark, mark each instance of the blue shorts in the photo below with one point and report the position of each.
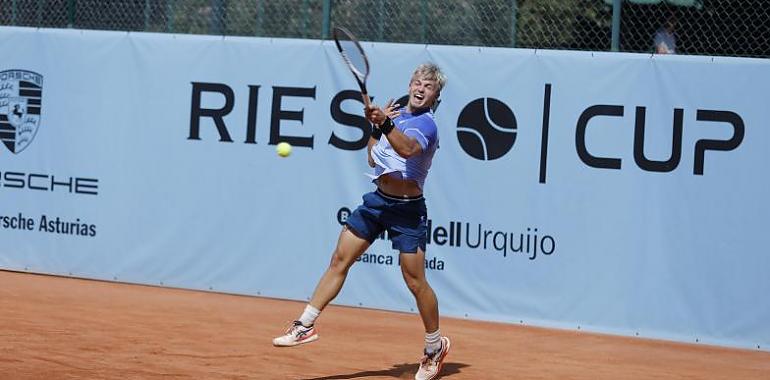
(405, 219)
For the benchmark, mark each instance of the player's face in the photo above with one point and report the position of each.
(422, 93)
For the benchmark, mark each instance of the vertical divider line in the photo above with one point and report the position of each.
(544, 139)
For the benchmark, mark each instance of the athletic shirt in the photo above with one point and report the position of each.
(422, 128)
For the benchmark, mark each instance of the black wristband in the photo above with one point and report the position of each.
(376, 133)
(387, 126)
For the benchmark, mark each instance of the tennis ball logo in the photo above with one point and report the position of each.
(486, 129)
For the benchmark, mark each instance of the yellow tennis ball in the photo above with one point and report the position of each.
(283, 149)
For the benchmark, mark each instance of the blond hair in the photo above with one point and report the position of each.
(431, 71)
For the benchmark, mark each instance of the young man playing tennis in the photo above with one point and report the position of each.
(400, 151)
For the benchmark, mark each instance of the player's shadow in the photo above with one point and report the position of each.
(405, 371)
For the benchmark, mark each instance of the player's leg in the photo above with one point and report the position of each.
(407, 225)
(349, 247)
(357, 235)
(413, 270)
(406, 221)
(436, 346)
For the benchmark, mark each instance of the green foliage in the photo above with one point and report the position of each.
(709, 27)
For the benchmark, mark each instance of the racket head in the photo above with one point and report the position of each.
(352, 53)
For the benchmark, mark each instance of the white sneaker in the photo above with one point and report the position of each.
(296, 334)
(430, 366)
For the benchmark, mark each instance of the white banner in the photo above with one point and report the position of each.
(610, 192)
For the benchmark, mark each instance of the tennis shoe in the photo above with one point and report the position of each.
(296, 334)
(430, 365)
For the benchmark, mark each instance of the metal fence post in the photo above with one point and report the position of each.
(616, 5)
(380, 20)
(305, 18)
(514, 10)
(258, 20)
(326, 26)
(423, 20)
(71, 4)
(146, 14)
(216, 24)
(170, 16)
(39, 13)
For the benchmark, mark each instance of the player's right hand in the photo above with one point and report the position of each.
(377, 115)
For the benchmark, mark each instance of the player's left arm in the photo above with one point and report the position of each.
(369, 146)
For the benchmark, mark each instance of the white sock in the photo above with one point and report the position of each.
(309, 315)
(433, 342)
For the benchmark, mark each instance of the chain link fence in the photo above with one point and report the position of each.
(710, 27)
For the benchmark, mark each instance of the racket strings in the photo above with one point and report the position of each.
(352, 53)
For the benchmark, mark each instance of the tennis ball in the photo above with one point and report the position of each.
(283, 149)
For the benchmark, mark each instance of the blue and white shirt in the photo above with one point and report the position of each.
(422, 127)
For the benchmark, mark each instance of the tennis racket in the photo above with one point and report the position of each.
(354, 57)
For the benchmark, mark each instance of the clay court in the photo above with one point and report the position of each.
(64, 328)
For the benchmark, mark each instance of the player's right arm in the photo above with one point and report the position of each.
(406, 146)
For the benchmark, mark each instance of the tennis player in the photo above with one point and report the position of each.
(400, 150)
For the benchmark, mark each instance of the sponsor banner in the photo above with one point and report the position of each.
(620, 193)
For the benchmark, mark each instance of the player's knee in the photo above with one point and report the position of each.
(340, 262)
(415, 284)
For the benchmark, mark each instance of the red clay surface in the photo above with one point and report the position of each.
(64, 328)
